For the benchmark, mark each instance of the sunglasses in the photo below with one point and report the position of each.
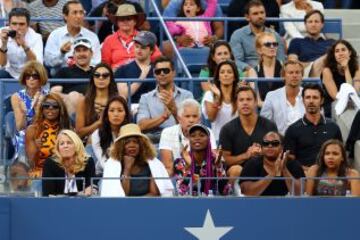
(48, 105)
(103, 75)
(34, 76)
(274, 143)
(162, 70)
(271, 44)
(81, 40)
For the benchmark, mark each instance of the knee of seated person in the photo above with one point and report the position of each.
(234, 171)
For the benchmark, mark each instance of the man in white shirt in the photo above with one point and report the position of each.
(284, 105)
(173, 139)
(59, 46)
(19, 44)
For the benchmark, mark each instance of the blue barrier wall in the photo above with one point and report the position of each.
(157, 219)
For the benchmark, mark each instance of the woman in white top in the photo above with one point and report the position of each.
(116, 114)
(219, 104)
(297, 9)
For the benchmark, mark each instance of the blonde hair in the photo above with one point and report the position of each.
(147, 150)
(33, 66)
(81, 156)
(259, 43)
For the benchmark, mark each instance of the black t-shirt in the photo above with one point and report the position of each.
(132, 70)
(107, 28)
(73, 72)
(304, 139)
(255, 168)
(233, 137)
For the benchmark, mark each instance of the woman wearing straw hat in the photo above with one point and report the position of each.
(118, 48)
(133, 156)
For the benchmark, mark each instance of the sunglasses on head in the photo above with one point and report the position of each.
(162, 70)
(271, 44)
(48, 105)
(274, 143)
(34, 76)
(103, 75)
(81, 40)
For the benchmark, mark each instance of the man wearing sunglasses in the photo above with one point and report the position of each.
(242, 41)
(60, 44)
(158, 108)
(284, 106)
(19, 44)
(274, 163)
(141, 67)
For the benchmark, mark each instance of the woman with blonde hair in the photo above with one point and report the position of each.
(41, 134)
(26, 101)
(133, 156)
(71, 165)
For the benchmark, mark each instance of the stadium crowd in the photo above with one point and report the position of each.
(237, 138)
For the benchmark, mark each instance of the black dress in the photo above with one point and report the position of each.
(56, 187)
(265, 87)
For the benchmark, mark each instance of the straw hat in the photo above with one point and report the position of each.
(130, 130)
(126, 10)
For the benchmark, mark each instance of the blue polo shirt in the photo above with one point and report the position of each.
(308, 49)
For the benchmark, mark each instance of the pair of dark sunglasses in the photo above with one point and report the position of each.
(81, 40)
(48, 105)
(103, 75)
(34, 76)
(162, 70)
(271, 44)
(274, 143)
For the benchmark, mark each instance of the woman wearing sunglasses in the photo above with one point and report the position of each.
(332, 162)
(26, 101)
(41, 134)
(268, 67)
(101, 88)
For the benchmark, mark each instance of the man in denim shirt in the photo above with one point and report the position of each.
(243, 40)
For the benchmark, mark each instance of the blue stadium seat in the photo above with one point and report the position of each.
(224, 4)
(195, 58)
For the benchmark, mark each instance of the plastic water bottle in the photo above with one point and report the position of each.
(211, 193)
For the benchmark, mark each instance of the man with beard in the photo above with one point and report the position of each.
(305, 137)
(241, 138)
(274, 163)
(243, 40)
(284, 105)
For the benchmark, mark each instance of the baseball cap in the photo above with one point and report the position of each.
(146, 38)
(82, 41)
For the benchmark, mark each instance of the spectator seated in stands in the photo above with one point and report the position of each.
(118, 48)
(192, 33)
(268, 66)
(140, 67)
(341, 66)
(46, 9)
(59, 47)
(19, 44)
(81, 68)
(108, 9)
(243, 40)
(332, 163)
(200, 163)
(305, 137)
(297, 9)
(219, 103)
(177, 6)
(89, 110)
(158, 108)
(71, 163)
(174, 138)
(27, 101)
(241, 138)
(236, 8)
(311, 50)
(40, 136)
(219, 52)
(116, 114)
(285, 106)
(133, 158)
(7, 6)
(273, 163)
(19, 177)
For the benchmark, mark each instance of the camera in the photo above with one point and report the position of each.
(12, 33)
